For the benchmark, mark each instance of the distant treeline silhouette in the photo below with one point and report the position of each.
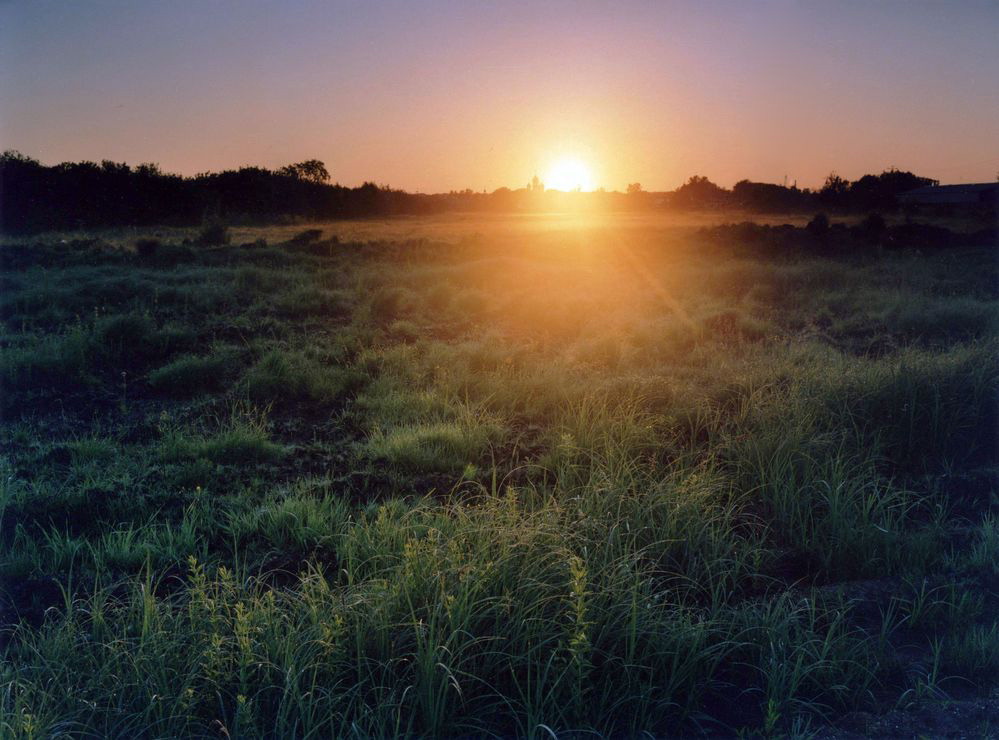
(86, 194)
(71, 195)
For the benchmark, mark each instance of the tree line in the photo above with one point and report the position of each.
(71, 195)
(869, 193)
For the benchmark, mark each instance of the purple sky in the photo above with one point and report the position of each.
(434, 96)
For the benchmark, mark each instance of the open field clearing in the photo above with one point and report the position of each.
(497, 476)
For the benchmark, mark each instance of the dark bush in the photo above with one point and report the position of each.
(157, 253)
(309, 242)
(918, 236)
(256, 244)
(872, 227)
(756, 238)
(213, 234)
(147, 248)
(174, 254)
(818, 227)
(307, 237)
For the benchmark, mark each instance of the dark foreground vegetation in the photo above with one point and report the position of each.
(88, 195)
(610, 480)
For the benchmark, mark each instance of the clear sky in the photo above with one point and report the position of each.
(441, 95)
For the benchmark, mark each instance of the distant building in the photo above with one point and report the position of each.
(979, 194)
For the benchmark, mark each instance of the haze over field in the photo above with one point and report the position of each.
(446, 95)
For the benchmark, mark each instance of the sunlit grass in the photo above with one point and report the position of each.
(563, 476)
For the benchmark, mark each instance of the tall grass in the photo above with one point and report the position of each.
(578, 483)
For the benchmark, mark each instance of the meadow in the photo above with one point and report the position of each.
(472, 476)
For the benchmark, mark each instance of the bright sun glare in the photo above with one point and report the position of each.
(569, 173)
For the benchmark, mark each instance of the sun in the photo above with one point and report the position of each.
(569, 173)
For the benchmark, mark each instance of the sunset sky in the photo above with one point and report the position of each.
(435, 96)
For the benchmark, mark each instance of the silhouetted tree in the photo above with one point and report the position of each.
(880, 191)
(70, 195)
(765, 196)
(311, 170)
(700, 192)
(834, 191)
(149, 169)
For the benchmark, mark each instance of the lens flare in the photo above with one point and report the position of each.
(569, 173)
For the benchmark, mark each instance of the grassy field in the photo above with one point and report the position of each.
(518, 476)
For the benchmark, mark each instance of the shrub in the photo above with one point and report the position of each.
(214, 233)
(307, 237)
(169, 255)
(147, 248)
(818, 227)
(872, 227)
(919, 236)
(155, 252)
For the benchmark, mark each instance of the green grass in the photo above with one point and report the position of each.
(446, 447)
(190, 375)
(60, 358)
(556, 481)
(242, 437)
(294, 375)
